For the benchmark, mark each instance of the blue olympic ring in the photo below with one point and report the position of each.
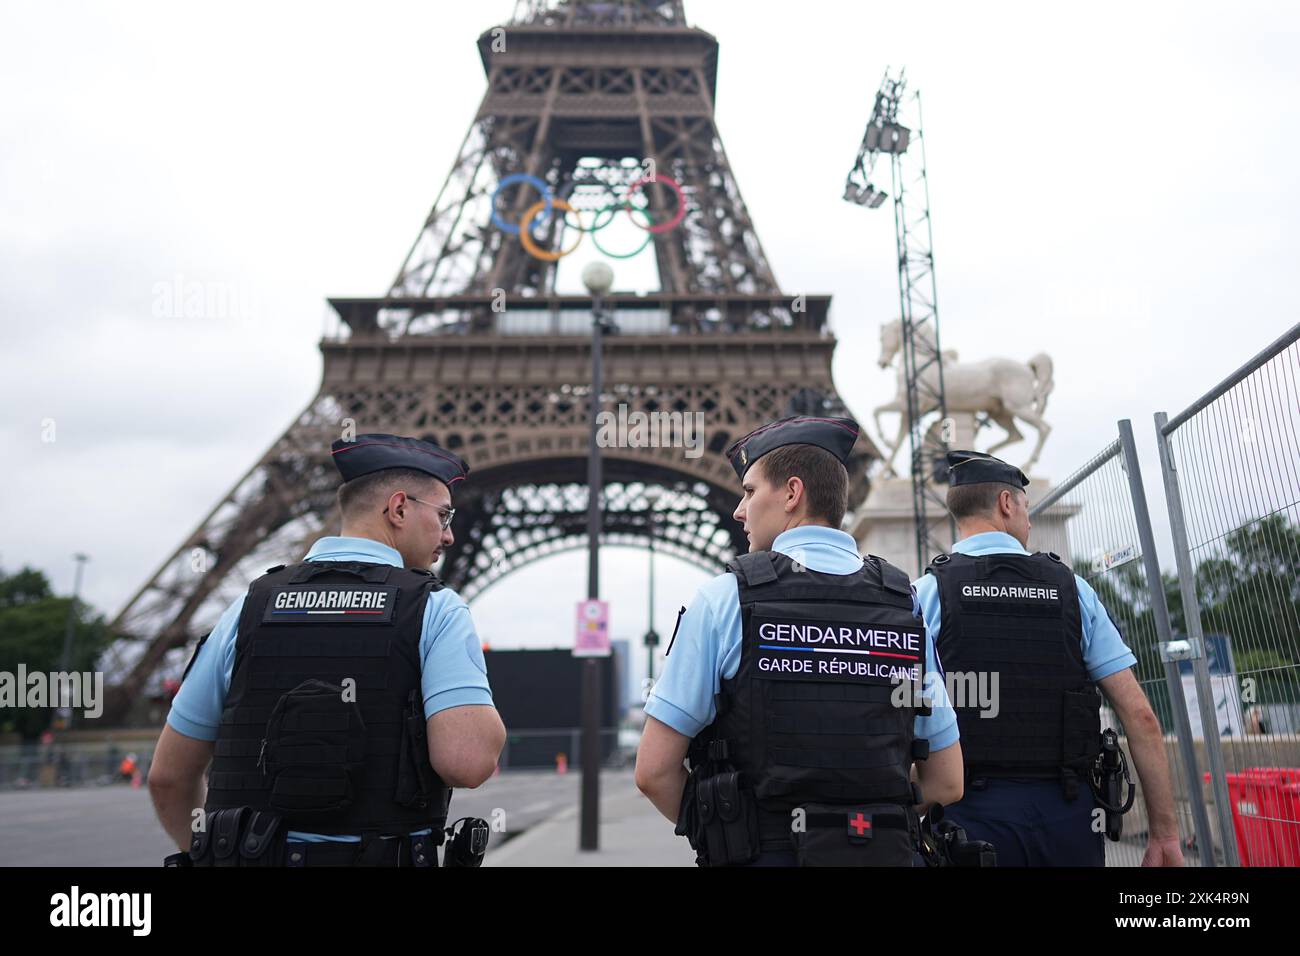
(537, 184)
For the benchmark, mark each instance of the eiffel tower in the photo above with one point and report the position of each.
(473, 348)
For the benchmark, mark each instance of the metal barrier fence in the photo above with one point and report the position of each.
(1231, 464)
(561, 746)
(29, 766)
(1098, 521)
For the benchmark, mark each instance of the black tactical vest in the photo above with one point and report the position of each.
(1018, 616)
(808, 716)
(324, 722)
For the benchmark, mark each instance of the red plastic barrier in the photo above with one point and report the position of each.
(1283, 812)
(1266, 815)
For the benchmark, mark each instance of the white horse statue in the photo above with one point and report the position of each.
(1003, 389)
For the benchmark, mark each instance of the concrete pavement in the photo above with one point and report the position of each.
(632, 833)
(115, 826)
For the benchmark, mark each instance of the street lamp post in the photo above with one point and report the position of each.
(652, 496)
(598, 277)
(65, 659)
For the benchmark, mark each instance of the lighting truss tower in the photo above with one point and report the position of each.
(895, 125)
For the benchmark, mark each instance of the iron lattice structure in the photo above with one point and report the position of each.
(472, 348)
(895, 130)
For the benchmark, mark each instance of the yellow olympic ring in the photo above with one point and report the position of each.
(526, 225)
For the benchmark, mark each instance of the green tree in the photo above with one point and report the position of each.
(1250, 590)
(33, 622)
(1123, 592)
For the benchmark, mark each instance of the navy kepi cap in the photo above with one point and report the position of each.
(975, 467)
(374, 452)
(835, 435)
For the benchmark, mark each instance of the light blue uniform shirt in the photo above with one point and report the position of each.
(452, 670)
(707, 648)
(1104, 650)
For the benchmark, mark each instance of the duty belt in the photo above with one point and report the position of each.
(416, 851)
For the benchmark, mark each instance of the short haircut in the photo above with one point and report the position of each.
(368, 491)
(973, 501)
(825, 480)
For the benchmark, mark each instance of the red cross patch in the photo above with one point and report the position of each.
(860, 826)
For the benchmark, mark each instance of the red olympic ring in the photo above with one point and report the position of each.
(672, 184)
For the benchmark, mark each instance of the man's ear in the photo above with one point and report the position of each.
(1007, 508)
(794, 490)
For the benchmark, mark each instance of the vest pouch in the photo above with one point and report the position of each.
(416, 781)
(313, 752)
(238, 836)
(1081, 741)
(879, 834)
(261, 842)
(728, 819)
(217, 844)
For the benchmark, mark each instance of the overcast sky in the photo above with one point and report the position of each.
(1112, 184)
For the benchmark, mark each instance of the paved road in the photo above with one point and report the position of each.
(115, 825)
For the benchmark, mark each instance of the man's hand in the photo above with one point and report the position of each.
(1163, 852)
(1146, 745)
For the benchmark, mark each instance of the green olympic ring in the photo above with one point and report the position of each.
(644, 242)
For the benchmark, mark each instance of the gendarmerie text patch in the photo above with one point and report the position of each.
(975, 592)
(335, 603)
(836, 650)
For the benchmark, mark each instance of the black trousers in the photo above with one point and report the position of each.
(1030, 823)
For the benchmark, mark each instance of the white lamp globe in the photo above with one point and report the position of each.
(598, 277)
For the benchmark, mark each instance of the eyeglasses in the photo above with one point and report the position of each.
(444, 514)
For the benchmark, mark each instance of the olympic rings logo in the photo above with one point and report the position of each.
(540, 212)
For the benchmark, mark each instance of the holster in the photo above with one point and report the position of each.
(879, 834)
(947, 844)
(727, 813)
(467, 842)
(688, 817)
(1114, 818)
(1108, 778)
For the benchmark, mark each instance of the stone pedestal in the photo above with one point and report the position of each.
(883, 524)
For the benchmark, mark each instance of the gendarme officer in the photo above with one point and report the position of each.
(342, 696)
(1036, 643)
(779, 681)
